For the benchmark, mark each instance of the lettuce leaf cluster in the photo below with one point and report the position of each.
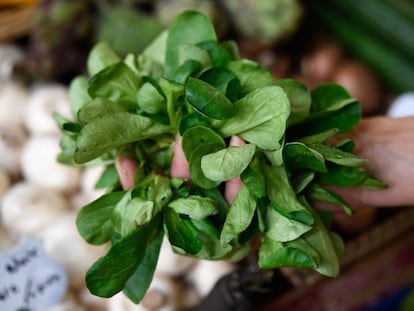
(187, 83)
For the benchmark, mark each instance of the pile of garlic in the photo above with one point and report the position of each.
(40, 198)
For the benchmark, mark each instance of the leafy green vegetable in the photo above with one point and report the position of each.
(186, 83)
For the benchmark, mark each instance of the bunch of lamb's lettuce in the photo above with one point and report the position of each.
(186, 83)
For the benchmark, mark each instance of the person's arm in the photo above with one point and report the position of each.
(388, 145)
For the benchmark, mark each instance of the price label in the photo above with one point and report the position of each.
(29, 279)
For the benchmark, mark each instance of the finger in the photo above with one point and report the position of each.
(126, 169)
(179, 164)
(233, 186)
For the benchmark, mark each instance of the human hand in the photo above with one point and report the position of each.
(179, 168)
(388, 144)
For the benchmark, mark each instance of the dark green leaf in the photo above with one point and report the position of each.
(273, 254)
(343, 176)
(319, 193)
(253, 178)
(193, 119)
(109, 274)
(182, 233)
(329, 97)
(94, 219)
(298, 156)
(343, 119)
(372, 183)
(223, 80)
(138, 284)
(189, 68)
(208, 100)
(338, 156)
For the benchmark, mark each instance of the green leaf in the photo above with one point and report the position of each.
(239, 216)
(283, 229)
(320, 239)
(302, 216)
(98, 108)
(156, 50)
(319, 193)
(193, 119)
(320, 137)
(219, 56)
(182, 233)
(131, 213)
(223, 80)
(109, 274)
(94, 219)
(298, 156)
(343, 176)
(194, 206)
(280, 191)
(197, 136)
(343, 119)
(67, 145)
(300, 182)
(138, 284)
(108, 179)
(299, 98)
(117, 83)
(180, 33)
(150, 100)
(208, 100)
(250, 74)
(372, 183)
(228, 163)
(273, 254)
(329, 97)
(65, 124)
(108, 132)
(187, 69)
(100, 57)
(188, 52)
(338, 156)
(253, 178)
(196, 172)
(172, 92)
(78, 94)
(260, 118)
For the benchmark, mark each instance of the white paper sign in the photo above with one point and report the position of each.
(29, 279)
